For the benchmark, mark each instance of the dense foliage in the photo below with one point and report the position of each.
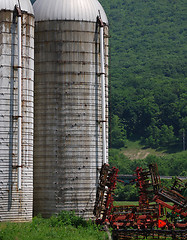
(64, 226)
(148, 69)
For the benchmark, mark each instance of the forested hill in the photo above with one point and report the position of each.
(148, 70)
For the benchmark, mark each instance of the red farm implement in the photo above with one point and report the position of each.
(150, 217)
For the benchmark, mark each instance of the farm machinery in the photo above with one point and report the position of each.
(161, 212)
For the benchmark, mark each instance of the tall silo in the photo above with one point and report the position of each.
(16, 109)
(68, 142)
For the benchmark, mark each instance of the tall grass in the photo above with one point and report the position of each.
(65, 226)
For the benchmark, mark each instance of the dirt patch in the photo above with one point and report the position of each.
(140, 154)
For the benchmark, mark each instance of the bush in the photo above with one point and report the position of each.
(68, 218)
(126, 193)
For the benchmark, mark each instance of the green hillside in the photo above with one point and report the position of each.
(148, 70)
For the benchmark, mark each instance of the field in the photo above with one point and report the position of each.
(43, 229)
(65, 226)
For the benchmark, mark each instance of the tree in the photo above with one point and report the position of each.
(166, 135)
(162, 136)
(118, 133)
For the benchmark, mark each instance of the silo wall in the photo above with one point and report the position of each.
(68, 128)
(16, 205)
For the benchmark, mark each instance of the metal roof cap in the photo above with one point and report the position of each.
(77, 10)
(26, 5)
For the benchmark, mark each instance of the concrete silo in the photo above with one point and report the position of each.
(70, 74)
(16, 110)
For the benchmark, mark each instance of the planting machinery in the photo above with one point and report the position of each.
(161, 212)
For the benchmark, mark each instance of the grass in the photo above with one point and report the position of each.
(66, 226)
(125, 203)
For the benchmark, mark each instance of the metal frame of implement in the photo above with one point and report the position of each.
(148, 218)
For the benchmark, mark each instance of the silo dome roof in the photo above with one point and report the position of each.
(80, 10)
(26, 5)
